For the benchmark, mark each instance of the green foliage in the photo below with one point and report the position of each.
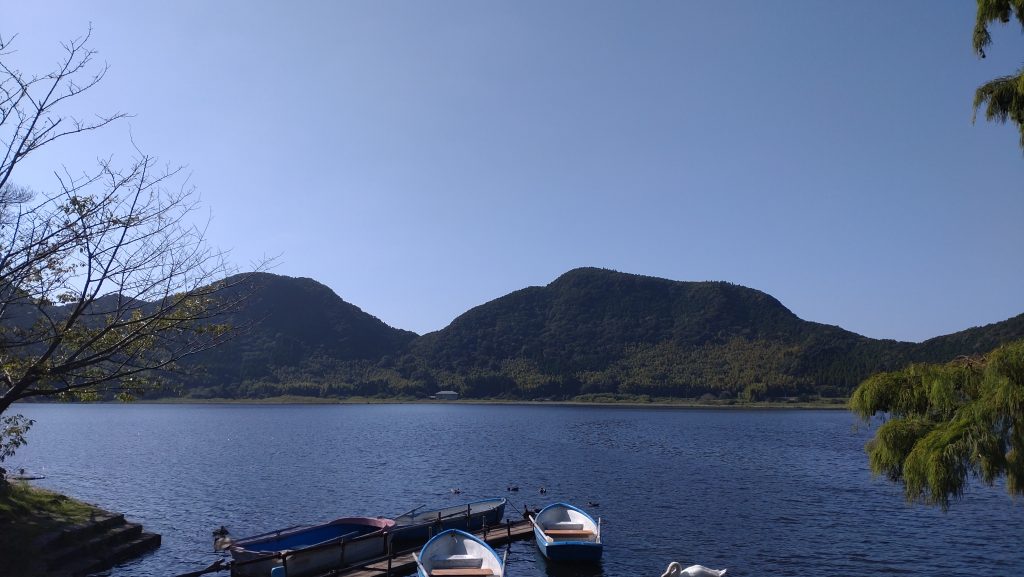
(590, 332)
(595, 331)
(1003, 98)
(755, 392)
(26, 502)
(13, 429)
(297, 331)
(994, 11)
(947, 423)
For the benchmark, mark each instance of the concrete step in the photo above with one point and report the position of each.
(77, 568)
(131, 549)
(107, 558)
(80, 532)
(96, 545)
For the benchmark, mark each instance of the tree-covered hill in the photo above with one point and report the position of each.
(595, 331)
(589, 317)
(590, 331)
(601, 331)
(973, 341)
(292, 332)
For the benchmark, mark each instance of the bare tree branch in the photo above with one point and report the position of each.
(105, 282)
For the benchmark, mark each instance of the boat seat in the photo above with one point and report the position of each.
(461, 572)
(568, 533)
(457, 562)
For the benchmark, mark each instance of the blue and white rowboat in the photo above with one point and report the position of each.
(567, 533)
(455, 553)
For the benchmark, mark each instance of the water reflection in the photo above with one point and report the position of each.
(556, 569)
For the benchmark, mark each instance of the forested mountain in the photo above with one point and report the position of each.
(974, 341)
(591, 331)
(292, 331)
(600, 331)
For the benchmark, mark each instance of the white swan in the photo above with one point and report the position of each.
(676, 570)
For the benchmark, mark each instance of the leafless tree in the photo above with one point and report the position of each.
(105, 280)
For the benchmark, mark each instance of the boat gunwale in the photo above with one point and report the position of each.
(421, 556)
(498, 503)
(240, 545)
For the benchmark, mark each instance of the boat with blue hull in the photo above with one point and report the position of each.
(415, 527)
(455, 553)
(311, 549)
(567, 533)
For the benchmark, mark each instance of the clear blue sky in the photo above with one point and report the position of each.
(422, 158)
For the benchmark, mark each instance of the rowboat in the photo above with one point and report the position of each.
(415, 527)
(311, 549)
(455, 553)
(567, 533)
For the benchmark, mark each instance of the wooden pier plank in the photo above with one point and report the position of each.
(404, 564)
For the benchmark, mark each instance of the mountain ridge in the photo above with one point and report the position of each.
(589, 331)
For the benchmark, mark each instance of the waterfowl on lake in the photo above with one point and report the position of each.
(513, 487)
(676, 570)
(221, 539)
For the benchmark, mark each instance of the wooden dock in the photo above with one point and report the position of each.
(402, 562)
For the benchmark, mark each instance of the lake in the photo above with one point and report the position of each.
(759, 492)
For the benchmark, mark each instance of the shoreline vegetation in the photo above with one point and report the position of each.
(837, 403)
(28, 515)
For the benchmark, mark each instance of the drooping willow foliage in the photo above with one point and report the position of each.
(1003, 97)
(945, 424)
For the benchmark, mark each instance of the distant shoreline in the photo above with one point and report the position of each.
(829, 404)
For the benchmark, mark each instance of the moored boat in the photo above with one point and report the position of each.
(567, 533)
(455, 553)
(311, 549)
(416, 527)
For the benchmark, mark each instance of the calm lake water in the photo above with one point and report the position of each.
(758, 492)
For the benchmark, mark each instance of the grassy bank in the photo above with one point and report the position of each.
(28, 513)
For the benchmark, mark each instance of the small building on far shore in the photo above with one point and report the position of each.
(446, 395)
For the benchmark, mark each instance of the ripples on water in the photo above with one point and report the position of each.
(759, 492)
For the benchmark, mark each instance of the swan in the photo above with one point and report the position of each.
(676, 570)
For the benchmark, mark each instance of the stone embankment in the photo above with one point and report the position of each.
(102, 542)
